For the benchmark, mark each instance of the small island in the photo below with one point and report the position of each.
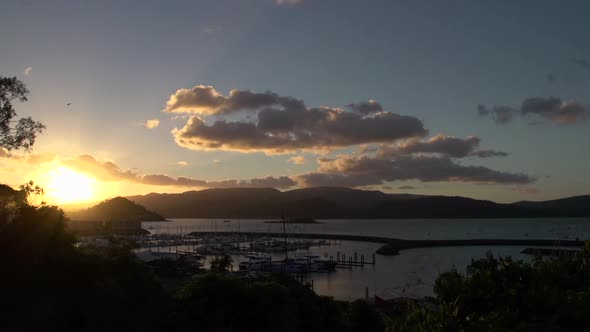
(294, 221)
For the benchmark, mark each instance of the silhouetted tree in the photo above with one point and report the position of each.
(501, 294)
(15, 134)
(221, 264)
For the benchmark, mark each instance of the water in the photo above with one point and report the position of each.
(413, 272)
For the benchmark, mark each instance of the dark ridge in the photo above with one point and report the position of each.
(576, 206)
(346, 203)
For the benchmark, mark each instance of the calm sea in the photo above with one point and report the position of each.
(413, 272)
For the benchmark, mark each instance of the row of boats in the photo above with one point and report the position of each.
(294, 264)
(230, 245)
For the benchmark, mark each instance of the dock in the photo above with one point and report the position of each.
(393, 246)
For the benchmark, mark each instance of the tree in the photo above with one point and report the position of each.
(221, 264)
(15, 134)
(501, 294)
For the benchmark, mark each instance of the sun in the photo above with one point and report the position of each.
(67, 186)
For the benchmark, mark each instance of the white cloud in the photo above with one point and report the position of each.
(211, 29)
(27, 71)
(151, 124)
(182, 163)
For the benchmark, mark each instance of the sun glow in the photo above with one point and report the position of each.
(67, 186)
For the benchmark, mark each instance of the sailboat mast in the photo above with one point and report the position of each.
(285, 236)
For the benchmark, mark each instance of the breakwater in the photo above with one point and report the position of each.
(392, 246)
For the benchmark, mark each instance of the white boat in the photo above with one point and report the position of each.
(256, 263)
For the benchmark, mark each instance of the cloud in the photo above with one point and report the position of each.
(104, 171)
(31, 159)
(406, 187)
(211, 29)
(297, 160)
(182, 163)
(205, 100)
(500, 114)
(109, 171)
(282, 182)
(216, 161)
(489, 153)
(440, 144)
(151, 124)
(28, 71)
(581, 62)
(366, 108)
(556, 110)
(362, 171)
(288, 2)
(279, 124)
(526, 190)
(552, 109)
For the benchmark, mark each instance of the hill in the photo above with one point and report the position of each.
(116, 209)
(576, 206)
(329, 203)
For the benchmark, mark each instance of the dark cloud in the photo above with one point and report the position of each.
(440, 144)
(280, 124)
(283, 131)
(581, 62)
(267, 182)
(363, 171)
(500, 114)
(487, 153)
(552, 109)
(205, 100)
(555, 110)
(366, 107)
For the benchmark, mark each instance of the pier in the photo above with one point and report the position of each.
(392, 246)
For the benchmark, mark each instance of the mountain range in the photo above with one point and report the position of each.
(346, 203)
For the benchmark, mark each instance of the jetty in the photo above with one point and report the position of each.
(392, 246)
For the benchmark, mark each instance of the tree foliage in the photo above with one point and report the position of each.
(221, 264)
(501, 294)
(220, 302)
(15, 133)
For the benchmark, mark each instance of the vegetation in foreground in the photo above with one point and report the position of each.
(52, 285)
(501, 294)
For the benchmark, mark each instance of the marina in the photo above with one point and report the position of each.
(411, 273)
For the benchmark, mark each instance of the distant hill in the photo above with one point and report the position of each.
(576, 206)
(330, 203)
(6, 191)
(116, 209)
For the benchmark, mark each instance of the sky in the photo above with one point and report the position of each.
(485, 99)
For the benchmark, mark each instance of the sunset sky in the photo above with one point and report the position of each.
(486, 99)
